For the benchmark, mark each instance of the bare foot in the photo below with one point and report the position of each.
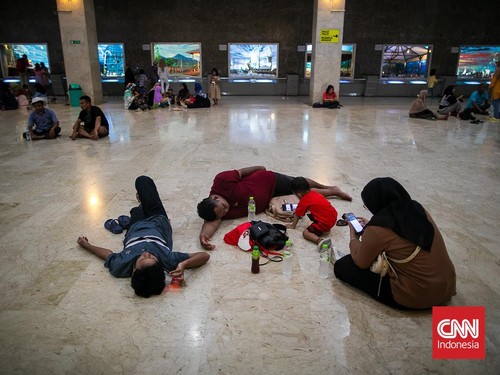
(342, 195)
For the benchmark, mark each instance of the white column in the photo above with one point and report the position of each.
(328, 30)
(79, 44)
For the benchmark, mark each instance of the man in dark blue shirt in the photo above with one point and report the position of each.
(147, 252)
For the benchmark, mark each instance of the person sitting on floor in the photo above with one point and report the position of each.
(95, 124)
(133, 100)
(420, 272)
(42, 122)
(330, 99)
(147, 254)
(478, 102)
(450, 104)
(321, 212)
(419, 110)
(7, 99)
(200, 100)
(183, 94)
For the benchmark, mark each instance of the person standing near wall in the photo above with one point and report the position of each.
(22, 65)
(214, 86)
(163, 75)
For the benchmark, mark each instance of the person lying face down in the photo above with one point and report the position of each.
(228, 197)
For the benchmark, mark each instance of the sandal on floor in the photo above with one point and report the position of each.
(341, 223)
(113, 226)
(124, 221)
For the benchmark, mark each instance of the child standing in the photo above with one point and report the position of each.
(431, 82)
(322, 213)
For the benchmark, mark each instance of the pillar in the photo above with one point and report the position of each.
(328, 30)
(79, 44)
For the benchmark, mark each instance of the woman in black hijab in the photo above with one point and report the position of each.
(420, 273)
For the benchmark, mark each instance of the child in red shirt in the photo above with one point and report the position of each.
(322, 213)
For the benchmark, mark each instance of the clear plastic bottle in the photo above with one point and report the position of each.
(251, 209)
(255, 260)
(324, 262)
(28, 134)
(286, 264)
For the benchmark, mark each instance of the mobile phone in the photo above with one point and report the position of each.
(358, 228)
(289, 206)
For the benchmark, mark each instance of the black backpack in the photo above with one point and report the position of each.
(268, 236)
(466, 114)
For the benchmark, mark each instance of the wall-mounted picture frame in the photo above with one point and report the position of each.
(182, 59)
(477, 62)
(253, 60)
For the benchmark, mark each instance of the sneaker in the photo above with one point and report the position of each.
(327, 241)
(138, 110)
(493, 119)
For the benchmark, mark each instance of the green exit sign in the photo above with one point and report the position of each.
(74, 42)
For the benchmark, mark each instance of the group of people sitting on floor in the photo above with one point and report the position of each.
(44, 124)
(451, 104)
(157, 98)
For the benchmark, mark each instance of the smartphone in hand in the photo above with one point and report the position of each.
(289, 206)
(358, 228)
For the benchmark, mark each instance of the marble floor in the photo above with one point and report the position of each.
(61, 312)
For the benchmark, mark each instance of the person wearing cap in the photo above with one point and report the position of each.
(42, 122)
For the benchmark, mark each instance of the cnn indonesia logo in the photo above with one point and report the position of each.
(458, 332)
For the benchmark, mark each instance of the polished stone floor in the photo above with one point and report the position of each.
(61, 312)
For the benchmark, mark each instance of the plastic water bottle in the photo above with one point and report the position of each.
(324, 261)
(251, 209)
(28, 134)
(255, 260)
(286, 264)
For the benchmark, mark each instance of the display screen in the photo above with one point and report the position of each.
(346, 65)
(253, 60)
(182, 59)
(477, 61)
(405, 61)
(111, 60)
(37, 53)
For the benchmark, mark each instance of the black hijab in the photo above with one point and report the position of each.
(392, 207)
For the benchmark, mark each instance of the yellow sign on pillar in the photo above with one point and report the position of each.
(329, 36)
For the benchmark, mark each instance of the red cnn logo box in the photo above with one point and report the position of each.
(458, 332)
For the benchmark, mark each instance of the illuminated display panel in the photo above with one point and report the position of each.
(253, 60)
(111, 58)
(405, 61)
(182, 59)
(346, 65)
(476, 62)
(37, 53)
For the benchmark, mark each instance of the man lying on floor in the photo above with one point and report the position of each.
(147, 252)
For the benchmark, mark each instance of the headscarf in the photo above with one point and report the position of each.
(423, 94)
(198, 89)
(130, 87)
(419, 104)
(157, 97)
(128, 96)
(393, 208)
